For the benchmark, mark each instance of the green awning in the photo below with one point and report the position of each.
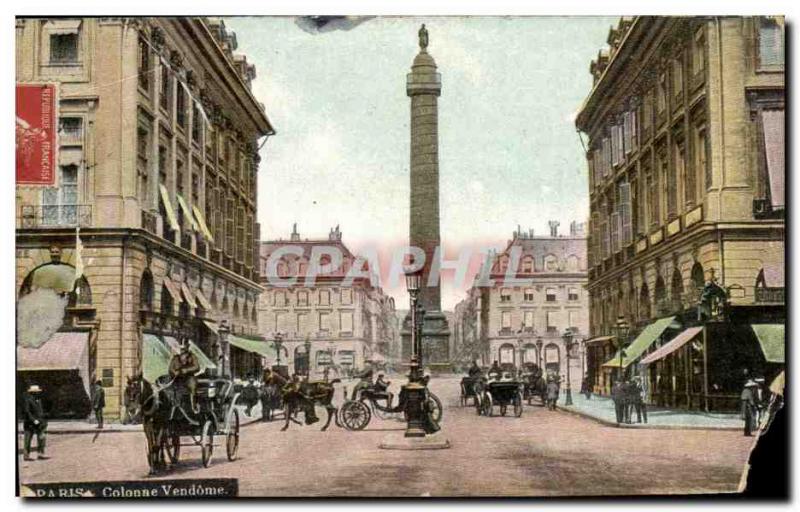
(155, 357)
(772, 339)
(640, 345)
(187, 211)
(202, 358)
(263, 348)
(202, 222)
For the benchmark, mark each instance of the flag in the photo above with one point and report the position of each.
(78, 260)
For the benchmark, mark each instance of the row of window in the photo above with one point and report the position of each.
(281, 298)
(311, 323)
(549, 263)
(551, 294)
(553, 319)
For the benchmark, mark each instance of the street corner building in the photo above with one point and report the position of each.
(321, 321)
(685, 123)
(535, 293)
(146, 234)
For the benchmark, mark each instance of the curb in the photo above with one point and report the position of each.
(643, 426)
(117, 430)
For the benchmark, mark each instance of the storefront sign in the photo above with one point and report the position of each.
(36, 134)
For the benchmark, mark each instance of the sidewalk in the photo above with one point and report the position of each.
(90, 427)
(601, 409)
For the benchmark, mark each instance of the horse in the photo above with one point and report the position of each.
(309, 395)
(132, 402)
(270, 395)
(155, 407)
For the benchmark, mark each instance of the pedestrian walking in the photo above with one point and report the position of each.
(616, 397)
(749, 407)
(98, 402)
(639, 404)
(586, 387)
(552, 394)
(33, 422)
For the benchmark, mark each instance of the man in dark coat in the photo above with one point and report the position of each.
(182, 368)
(494, 371)
(33, 422)
(637, 396)
(98, 402)
(616, 396)
(749, 407)
(552, 393)
(474, 370)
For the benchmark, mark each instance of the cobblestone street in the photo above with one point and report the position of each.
(542, 453)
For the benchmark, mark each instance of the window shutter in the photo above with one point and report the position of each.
(773, 125)
(634, 130)
(614, 145)
(615, 232)
(625, 213)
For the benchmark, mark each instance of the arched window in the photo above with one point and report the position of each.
(236, 307)
(677, 290)
(552, 358)
(644, 303)
(254, 314)
(146, 291)
(550, 263)
(698, 280)
(82, 294)
(225, 303)
(527, 265)
(661, 296)
(167, 303)
(573, 263)
(529, 354)
(506, 354)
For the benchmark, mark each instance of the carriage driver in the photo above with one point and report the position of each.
(382, 390)
(182, 369)
(474, 370)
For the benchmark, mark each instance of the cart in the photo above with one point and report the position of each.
(217, 416)
(500, 393)
(356, 414)
(468, 390)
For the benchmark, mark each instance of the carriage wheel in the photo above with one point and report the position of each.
(435, 406)
(518, 405)
(487, 405)
(355, 415)
(207, 443)
(173, 446)
(232, 437)
(376, 410)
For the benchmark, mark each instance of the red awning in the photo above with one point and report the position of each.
(62, 351)
(673, 345)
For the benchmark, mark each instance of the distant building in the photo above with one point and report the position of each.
(686, 173)
(515, 323)
(156, 133)
(329, 321)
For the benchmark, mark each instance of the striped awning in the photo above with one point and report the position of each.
(171, 217)
(263, 348)
(174, 290)
(202, 222)
(187, 211)
(188, 296)
(204, 303)
(646, 338)
(62, 351)
(155, 357)
(673, 345)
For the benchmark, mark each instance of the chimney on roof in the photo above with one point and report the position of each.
(530, 232)
(553, 228)
(295, 235)
(334, 235)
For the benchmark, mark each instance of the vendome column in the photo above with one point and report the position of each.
(424, 86)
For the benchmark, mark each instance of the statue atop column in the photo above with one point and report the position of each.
(423, 38)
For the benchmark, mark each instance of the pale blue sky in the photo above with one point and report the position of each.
(508, 150)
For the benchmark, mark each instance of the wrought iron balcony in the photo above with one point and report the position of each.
(54, 216)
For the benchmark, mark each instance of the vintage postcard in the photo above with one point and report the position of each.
(399, 256)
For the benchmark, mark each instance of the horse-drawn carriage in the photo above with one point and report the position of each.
(534, 384)
(501, 392)
(356, 413)
(216, 415)
(469, 387)
(169, 418)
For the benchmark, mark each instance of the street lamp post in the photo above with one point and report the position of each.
(622, 328)
(539, 355)
(414, 390)
(223, 331)
(307, 345)
(278, 346)
(567, 336)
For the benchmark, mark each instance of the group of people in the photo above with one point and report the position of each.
(628, 397)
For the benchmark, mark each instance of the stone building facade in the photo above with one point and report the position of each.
(157, 166)
(327, 320)
(686, 184)
(524, 322)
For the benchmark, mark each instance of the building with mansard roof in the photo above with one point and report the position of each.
(155, 160)
(685, 122)
(327, 322)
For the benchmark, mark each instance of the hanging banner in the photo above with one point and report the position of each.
(36, 134)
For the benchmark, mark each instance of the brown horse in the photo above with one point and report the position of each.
(304, 399)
